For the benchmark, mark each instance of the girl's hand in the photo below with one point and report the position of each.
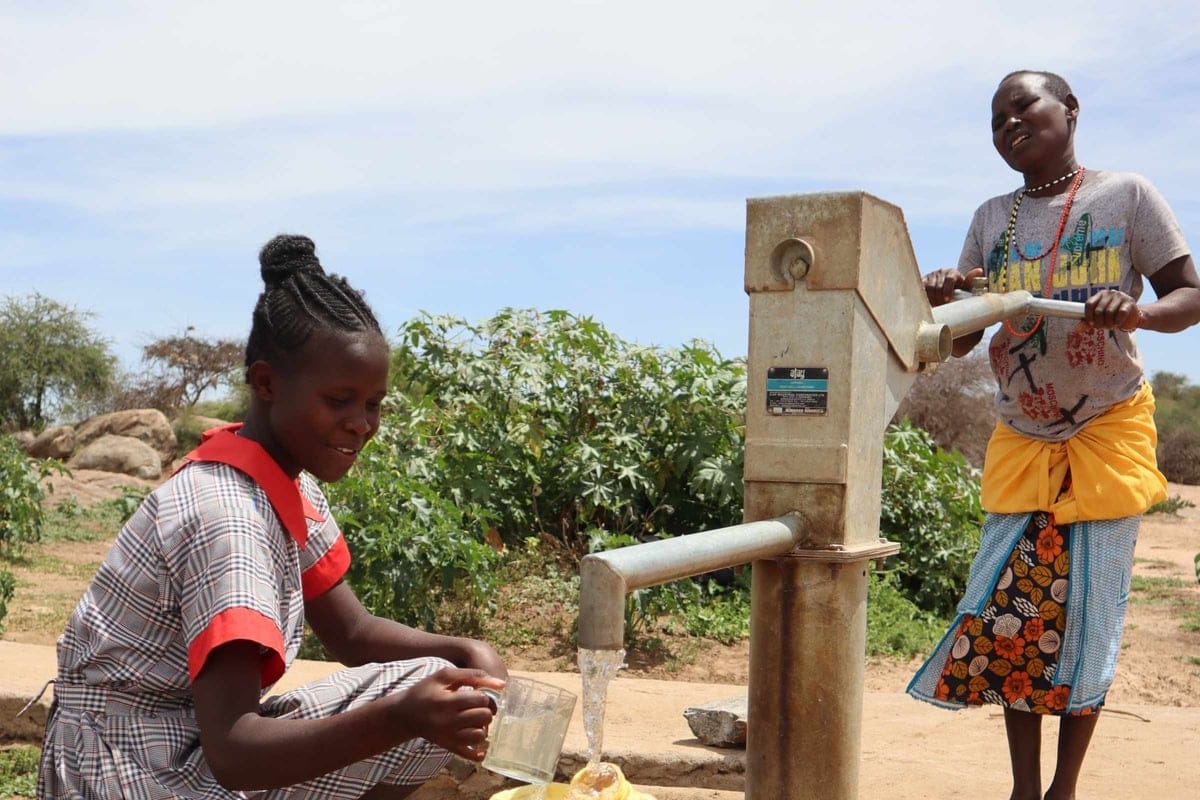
(442, 709)
(941, 285)
(1109, 308)
(481, 655)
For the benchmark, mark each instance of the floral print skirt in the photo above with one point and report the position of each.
(1008, 655)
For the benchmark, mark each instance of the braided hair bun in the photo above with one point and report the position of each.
(286, 255)
(300, 298)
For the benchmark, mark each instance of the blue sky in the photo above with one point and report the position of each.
(592, 156)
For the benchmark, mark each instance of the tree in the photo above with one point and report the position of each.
(184, 367)
(49, 359)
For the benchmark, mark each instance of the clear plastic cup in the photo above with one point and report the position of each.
(526, 736)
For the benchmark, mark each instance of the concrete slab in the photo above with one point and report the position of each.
(910, 751)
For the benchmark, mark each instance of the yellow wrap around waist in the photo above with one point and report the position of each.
(1111, 461)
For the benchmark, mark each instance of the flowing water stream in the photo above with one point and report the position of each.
(596, 669)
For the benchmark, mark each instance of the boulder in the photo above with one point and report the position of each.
(58, 442)
(148, 425)
(720, 724)
(123, 454)
(23, 440)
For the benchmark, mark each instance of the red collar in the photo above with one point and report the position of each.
(248, 456)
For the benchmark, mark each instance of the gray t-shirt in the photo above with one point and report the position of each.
(1052, 382)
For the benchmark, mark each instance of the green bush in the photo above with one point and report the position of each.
(895, 626)
(187, 431)
(18, 770)
(931, 506)
(21, 495)
(556, 426)
(413, 550)
(1171, 506)
(8, 585)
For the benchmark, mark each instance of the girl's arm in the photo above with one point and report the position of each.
(355, 636)
(247, 751)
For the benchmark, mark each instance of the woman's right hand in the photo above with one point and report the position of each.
(442, 709)
(941, 284)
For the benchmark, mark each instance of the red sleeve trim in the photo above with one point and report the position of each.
(321, 576)
(239, 624)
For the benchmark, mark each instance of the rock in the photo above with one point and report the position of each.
(87, 487)
(56, 442)
(720, 724)
(148, 425)
(24, 439)
(123, 454)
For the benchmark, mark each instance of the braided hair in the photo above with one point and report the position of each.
(300, 299)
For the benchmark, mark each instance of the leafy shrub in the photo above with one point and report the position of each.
(713, 611)
(554, 425)
(1179, 456)
(18, 771)
(21, 495)
(931, 506)
(1171, 506)
(412, 549)
(187, 431)
(8, 585)
(129, 501)
(895, 626)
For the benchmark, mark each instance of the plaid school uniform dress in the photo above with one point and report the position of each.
(228, 549)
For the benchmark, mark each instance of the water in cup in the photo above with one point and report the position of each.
(526, 736)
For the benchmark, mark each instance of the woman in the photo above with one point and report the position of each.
(1070, 466)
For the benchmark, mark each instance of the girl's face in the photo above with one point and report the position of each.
(1031, 128)
(325, 408)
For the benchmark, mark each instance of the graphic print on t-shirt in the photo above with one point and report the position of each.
(1088, 262)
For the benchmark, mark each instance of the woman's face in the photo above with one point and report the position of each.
(1031, 128)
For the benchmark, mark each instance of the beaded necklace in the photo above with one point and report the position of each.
(1010, 232)
(1054, 182)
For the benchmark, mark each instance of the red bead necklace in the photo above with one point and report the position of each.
(1009, 235)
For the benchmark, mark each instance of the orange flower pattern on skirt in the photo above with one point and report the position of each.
(1008, 654)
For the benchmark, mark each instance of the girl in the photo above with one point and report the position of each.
(1070, 466)
(200, 605)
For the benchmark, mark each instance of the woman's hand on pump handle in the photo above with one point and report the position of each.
(941, 284)
(1110, 308)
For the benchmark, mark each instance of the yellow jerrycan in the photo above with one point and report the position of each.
(599, 781)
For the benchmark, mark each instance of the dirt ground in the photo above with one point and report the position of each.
(1159, 665)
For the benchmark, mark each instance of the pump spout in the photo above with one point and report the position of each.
(605, 578)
